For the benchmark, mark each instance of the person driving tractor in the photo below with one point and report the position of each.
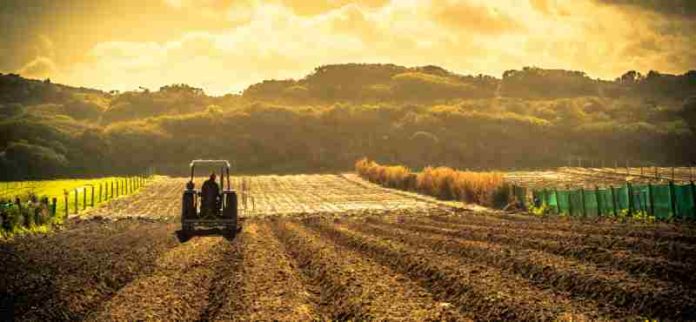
(210, 194)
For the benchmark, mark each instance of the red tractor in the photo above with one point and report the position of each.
(210, 209)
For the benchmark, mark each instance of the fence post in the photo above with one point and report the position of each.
(672, 199)
(112, 190)
(84, 198)
(65, 194)
(613, 200)
(54, 204)
(651, 199)
(77, 201)
(92, 203)
(558, 201)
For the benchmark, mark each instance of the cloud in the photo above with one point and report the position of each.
(39, 67)
(465, 15)
(677, 8)
(283, 39)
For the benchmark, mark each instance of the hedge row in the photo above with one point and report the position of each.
(483, 188)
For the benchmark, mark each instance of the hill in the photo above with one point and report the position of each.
(323, 122)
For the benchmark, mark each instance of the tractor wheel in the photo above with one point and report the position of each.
(187, 229)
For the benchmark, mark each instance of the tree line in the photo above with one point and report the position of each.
(324, 122)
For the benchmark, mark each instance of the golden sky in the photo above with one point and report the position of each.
(223, 46)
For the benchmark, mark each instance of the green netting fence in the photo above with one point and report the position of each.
(667, 201)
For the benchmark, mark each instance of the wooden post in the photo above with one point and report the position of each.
(77, 202)
(672, 199)
(628, 171)
(54, 204)
(100, 193)
(65, 194)
(84, 198)
(92, 203)
(112, 190)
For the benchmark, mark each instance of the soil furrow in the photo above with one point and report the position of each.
(354, 288)
(476, 288)
(676, 251)
(179, 287)
(267, 286)
(655, 231)
(637, 264)
(643, 297)
(67, 274)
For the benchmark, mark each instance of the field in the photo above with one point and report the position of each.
(56, 189)
(590, 177)
(338, 247)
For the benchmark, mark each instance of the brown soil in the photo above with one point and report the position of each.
(320, 247)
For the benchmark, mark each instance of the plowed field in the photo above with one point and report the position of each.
(333, 247)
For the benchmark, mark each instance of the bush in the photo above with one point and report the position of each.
(28, 215)
(484, 188)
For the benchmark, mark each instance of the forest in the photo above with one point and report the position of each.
(418, 116)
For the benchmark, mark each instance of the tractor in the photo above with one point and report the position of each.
(198, 209)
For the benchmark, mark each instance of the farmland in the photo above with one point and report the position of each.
(576, 177)
(338, 247)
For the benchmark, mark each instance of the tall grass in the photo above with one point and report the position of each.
(483, 188)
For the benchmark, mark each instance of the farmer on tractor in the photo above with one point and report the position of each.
(210, 195)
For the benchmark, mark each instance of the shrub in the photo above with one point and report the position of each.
(484, 188)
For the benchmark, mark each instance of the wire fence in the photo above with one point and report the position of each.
(30, 211)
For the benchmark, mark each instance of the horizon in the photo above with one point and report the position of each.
(214, 45)
(240, 92)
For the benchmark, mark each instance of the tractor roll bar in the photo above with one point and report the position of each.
(224, 170)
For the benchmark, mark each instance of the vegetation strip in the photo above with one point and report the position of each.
(475, 288)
